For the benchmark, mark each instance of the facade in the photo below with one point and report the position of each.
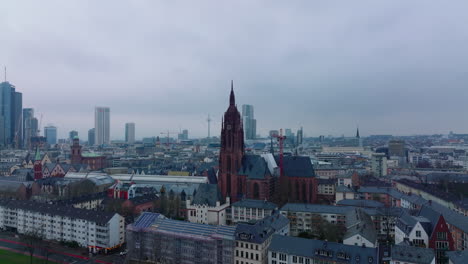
(95, 161)
(29, 127)
(183, 135)
(250, 123)
(379, 164)
(102, 125)
(91, 136)
(248, 209)
(413, 229)
(130, 133)
(96, 230)
(207, 206)
(253, 238)
(232, 152)
(157, 239)
(292, 250)
(257, 176)
(11, 108)
(72, 134)
(302, 217)
(50, 133)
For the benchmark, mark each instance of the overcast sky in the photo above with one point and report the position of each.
(391, 67)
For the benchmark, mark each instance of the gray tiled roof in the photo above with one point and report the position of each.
(311, 248)
(297, 166)
(360, 203)
(207, 194)
(458, 257)
(258, 231)
(360, 223)
(55, 209)
(250, 203)
(316, 208)
(254, 167)
(412, 254)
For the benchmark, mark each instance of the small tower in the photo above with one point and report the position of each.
(75, 156)
(358, 137)
(37, 165)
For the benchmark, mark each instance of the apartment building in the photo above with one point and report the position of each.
(96, 230)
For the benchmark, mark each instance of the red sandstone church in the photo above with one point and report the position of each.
(257, 176)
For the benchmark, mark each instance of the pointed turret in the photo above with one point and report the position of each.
(232, 99)
(37, 157)
(357, 133)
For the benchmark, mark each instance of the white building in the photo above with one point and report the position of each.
(102, 125)
(207, 206)
(379, 164)
(249, 209)
(414, 229)
(254, 238)
(95, 230)
(360, 230)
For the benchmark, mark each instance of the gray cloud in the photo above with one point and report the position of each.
(392, 67)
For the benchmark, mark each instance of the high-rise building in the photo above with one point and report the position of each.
(91, 136)
(130, 133)
(11, 108)
(300, 136)
(183, 135)
(379, 164)
(102, 125)
(28, 132)
(50, 133)
(72, 134)
(250, 124)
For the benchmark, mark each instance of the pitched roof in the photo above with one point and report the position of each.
(360, 223)
(207, 194)
(297, 166)
(412, 254)
(311, 248)
(458, 257)
(254, 167)
(55, 209)
(316, 208)
(360, 203)
(259, 231)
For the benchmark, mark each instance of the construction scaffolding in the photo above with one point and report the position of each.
(166, 241)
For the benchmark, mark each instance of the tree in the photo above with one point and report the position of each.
(31, 239)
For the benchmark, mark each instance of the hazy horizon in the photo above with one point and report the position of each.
(394, 67)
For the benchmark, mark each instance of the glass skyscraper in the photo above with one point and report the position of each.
(102, 125)
(250, 124)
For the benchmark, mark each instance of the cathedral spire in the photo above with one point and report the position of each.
(357, 133)
(232, 100)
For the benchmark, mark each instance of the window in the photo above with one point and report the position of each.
(418, 233)
(442, 235)
(273, 254)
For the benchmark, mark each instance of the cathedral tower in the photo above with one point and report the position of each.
(232, 151)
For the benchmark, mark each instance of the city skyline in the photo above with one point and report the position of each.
(383, 66)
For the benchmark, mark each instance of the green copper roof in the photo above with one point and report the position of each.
(38, 155)
(90, 155)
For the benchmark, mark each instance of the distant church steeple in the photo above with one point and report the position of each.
(232, 99)
(357, 133)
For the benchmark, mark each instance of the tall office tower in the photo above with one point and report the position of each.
(11, 108)
(50, 133)
(300, 135)
(28, 116)
(183, 135)
(102, 125)
(130, 133)
(396, 148)
(72, 134)
(91, 136)
(250, 124)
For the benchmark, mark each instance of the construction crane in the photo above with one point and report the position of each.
(167, 138)
(280, 139)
